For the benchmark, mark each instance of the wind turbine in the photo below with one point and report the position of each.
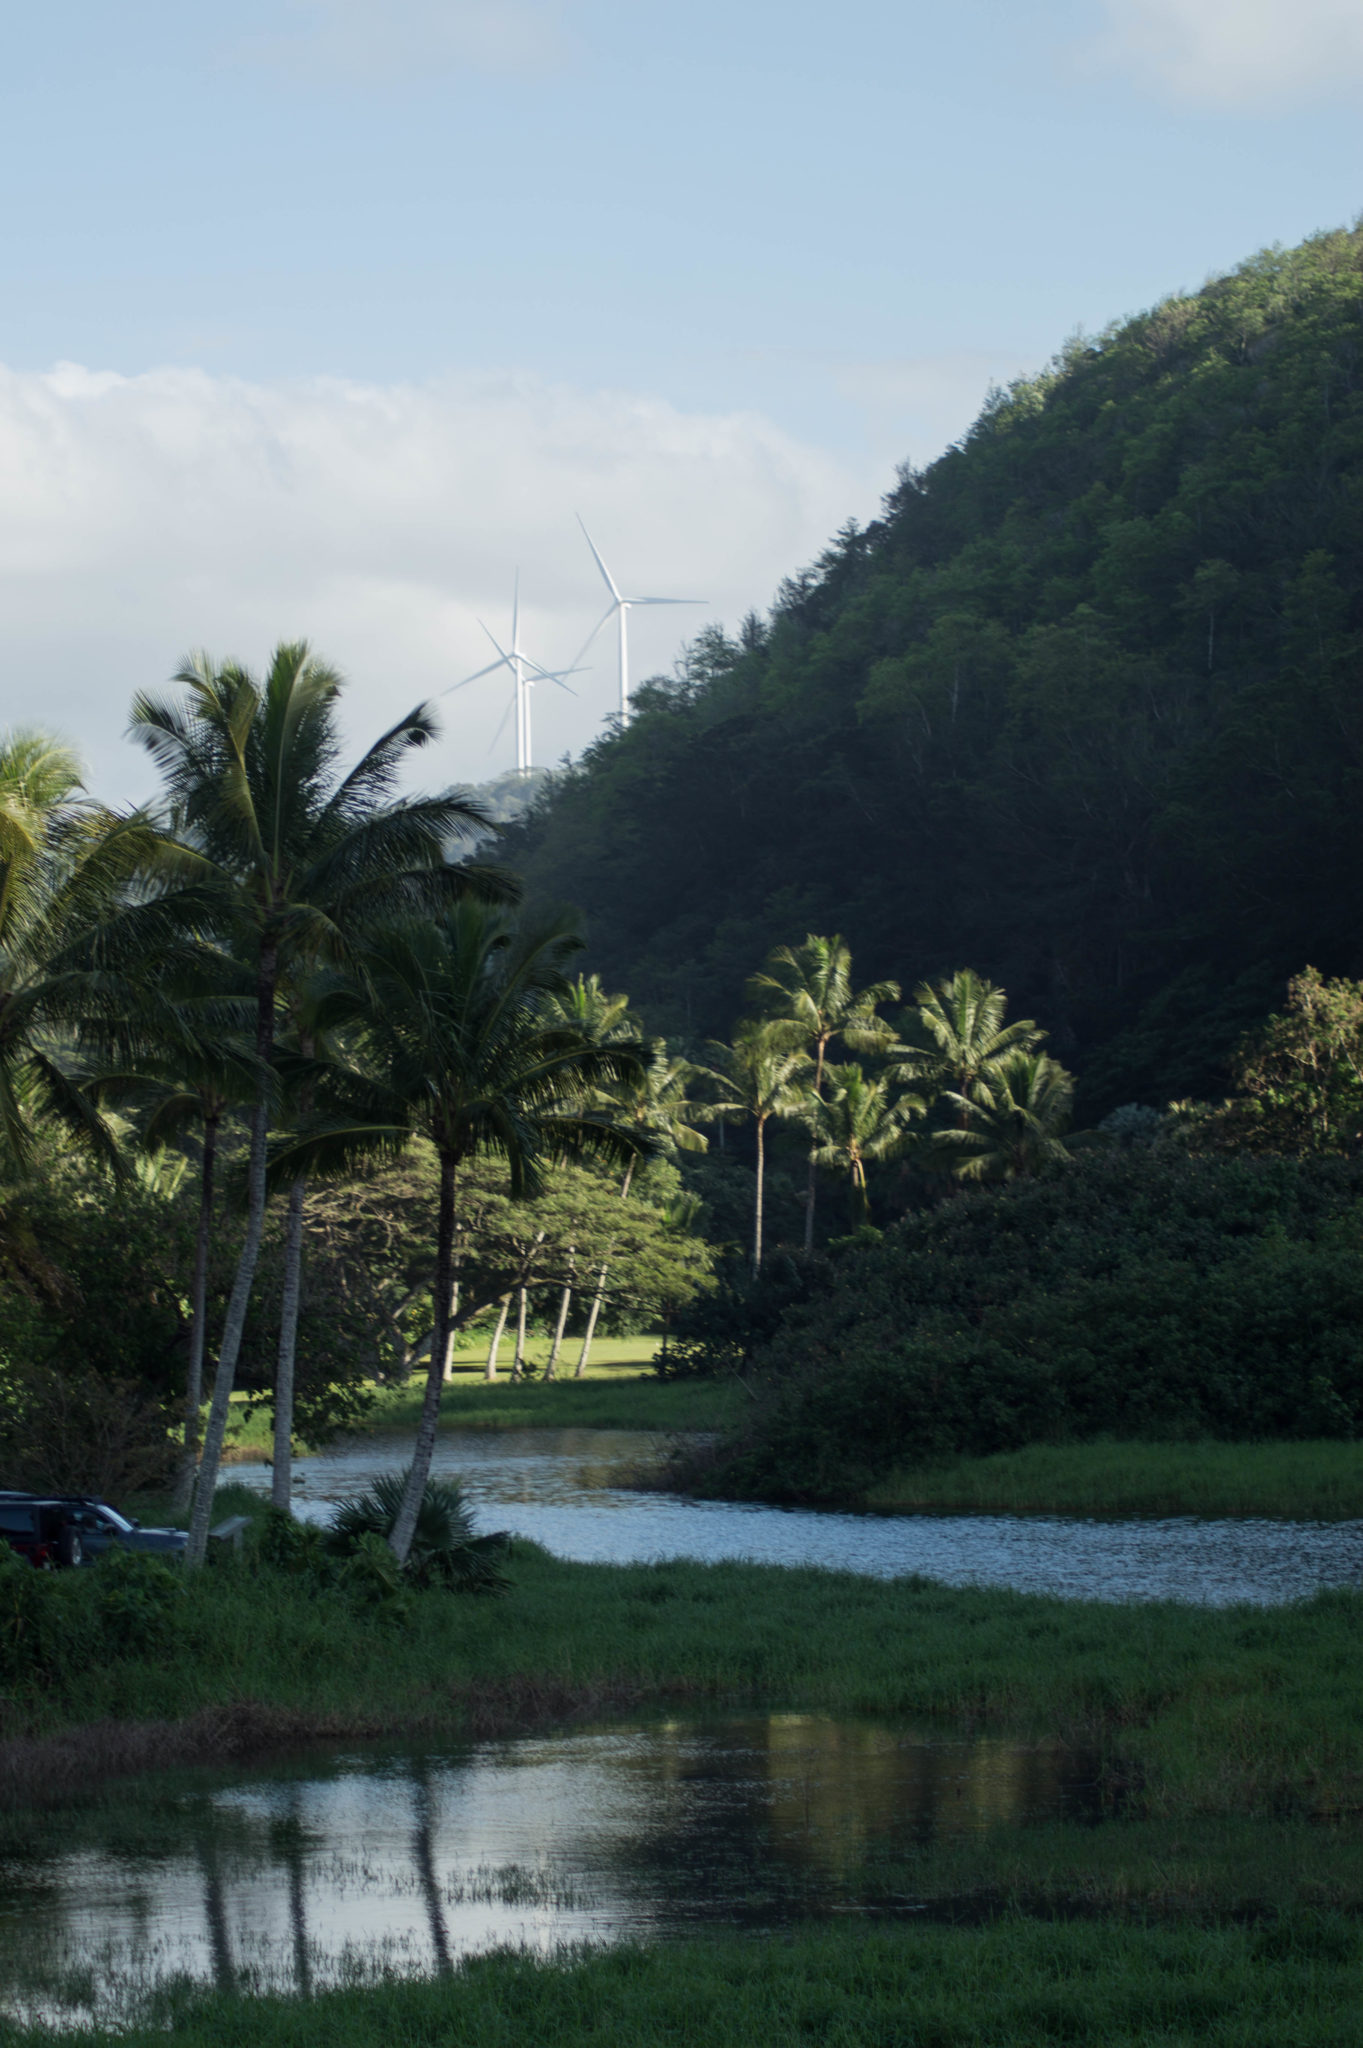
(620, 607)
(525, 671)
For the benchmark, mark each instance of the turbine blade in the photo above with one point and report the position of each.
(608, 614)
(606, 576)
(477, 674)
(505, 657)
(502, 727)
(667, 600)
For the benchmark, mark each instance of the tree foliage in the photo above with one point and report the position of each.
(1080, 707)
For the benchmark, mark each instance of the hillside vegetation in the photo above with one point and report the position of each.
(1080, 708)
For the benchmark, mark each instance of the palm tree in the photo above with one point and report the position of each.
(448, 1017)
(956, 1040)
(765, 1073)
(810, 986)
(1019, 1130)
(292, 860)
(191, 1083)
(66, 865)
(859, 1123)
(655, 1104)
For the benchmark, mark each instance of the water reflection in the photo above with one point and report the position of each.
(568, 1490)
(343, 1871)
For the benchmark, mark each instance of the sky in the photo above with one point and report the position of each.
(324, 318)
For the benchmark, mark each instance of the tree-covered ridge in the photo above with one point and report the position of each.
(1080, 707)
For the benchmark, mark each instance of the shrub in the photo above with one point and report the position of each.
(1140, 1293)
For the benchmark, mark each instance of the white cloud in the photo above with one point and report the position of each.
(371, 39)
(1238, 52)
(143, 516)
(918, 405)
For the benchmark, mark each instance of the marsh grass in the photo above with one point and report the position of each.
(1310, 1481)
(1296, 1982)
(1256, 1712)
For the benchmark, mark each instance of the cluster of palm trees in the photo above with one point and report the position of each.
(950, 1082)
(298, 942)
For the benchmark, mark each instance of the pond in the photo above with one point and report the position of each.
(343, 1869)
(569, 1491)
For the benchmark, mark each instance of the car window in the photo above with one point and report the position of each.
(109, 1518)
(17, 1521)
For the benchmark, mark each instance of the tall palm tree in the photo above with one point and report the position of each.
(860, 1122)
(1019, 1130)
(956, 1040)
(448, 1017)
(765, 1073)
(189, 1083)
(293, 858)
(811, 987)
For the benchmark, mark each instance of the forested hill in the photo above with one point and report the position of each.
(1082, 710)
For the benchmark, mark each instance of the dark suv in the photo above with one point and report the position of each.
(68, 1529)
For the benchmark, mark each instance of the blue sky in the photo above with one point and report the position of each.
(360, 301)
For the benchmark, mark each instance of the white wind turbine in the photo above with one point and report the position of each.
(525, 671)
(620, 607)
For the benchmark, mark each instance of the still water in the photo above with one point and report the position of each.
(568, 1490)
(351, 1868)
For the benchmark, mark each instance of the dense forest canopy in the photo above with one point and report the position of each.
(1082, 708)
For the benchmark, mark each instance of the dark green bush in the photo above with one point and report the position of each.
(1135, 1294)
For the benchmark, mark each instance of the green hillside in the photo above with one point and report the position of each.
(1083, 709)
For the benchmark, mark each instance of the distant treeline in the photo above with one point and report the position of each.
(1082, 707)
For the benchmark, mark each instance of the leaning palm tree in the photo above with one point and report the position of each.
(765, 1073)
(293, 860)
(1020, 1129)
(861, 1122)
(67, 866)
(956, 1040)
(810, 986)
(452, 1043)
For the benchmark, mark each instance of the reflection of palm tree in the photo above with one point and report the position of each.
(423, 1855)
(293, 1845)
(215, 1913)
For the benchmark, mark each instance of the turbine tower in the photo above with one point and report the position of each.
(525, 672)
(620, 608)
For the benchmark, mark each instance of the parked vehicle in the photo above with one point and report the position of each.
(53, 1530)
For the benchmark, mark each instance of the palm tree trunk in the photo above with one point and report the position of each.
(560, 1326)
(585, 1353)
(198, 1305)
(490, 1369)
(518, 1362)
(234, 1323)
(404, 1528)
(281, 1480)
(812, 1181)
(454, 1319)
(757, 1215)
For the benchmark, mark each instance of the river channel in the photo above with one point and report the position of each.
(569, 1491)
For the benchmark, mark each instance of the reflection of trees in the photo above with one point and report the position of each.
(288, 1843)
(743, 1814)
(423, 1854)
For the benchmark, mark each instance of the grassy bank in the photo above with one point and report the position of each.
(1316, 1481)
(1239, 1712)
(618, 1391)
(1296, 1983)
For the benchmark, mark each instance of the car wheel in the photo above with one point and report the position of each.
(70, 1549)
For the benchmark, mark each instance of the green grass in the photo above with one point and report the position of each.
(1295, 1983)
(1250, 1713)
(618, 1391)
(1315, 1481)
